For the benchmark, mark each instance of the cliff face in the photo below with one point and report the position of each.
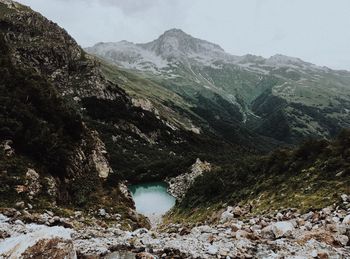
(44, 75)
(39, 44)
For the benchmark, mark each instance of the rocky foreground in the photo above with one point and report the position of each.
(286, 234)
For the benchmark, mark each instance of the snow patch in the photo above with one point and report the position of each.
(18, 244)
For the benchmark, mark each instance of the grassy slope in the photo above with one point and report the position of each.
(139, 86)
(312, 176)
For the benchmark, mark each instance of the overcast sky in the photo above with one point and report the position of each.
(314, 30)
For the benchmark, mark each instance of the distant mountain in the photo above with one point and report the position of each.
(280, 97)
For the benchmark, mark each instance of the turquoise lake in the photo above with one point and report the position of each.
(152, 198)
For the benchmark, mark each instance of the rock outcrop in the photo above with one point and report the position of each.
(32, 183)
(6, 147)
(55, 70)
(179, 185)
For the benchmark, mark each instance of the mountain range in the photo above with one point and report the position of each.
(237, 138)
(280, 97)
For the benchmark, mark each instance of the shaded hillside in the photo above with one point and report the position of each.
(45, 134)
(313, 175)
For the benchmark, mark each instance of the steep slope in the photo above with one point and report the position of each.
(80, 132)
(311, 176)
(298, 98)
(49, 156)
(53, 99)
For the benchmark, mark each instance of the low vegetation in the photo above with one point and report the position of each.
(312, 176)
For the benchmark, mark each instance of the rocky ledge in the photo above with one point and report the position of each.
(285, 234)
(179, 185)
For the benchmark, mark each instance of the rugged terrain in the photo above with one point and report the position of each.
(75, 129)
(233, 233)
(70, 136)
(280, 97)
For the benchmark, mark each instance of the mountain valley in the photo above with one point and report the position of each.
(255, 150)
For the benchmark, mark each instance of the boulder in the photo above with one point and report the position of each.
(282, 229)
(7, 149)
(341, 239)
(227, 215)
(212, 250)
(20, 205)
(267, 232)
(184, 231)
(346, 220)
(102, 212)
(345, 197)
(238, 211)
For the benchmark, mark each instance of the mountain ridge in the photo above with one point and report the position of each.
(74, 128)
(181, 36)
(188, 67)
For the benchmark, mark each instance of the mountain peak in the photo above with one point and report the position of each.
(175, 32)
(177, 43)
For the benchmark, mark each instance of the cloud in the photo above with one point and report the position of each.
(314, 30)
(127, 6)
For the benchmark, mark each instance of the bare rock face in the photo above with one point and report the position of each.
(99, 157)
(32, 183)
(145, 104)
(179, 185)
(51, 186)
(7, 148)
(125, 191)
(101, 165)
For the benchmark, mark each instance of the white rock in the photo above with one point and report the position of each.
(102, 212)
(346, 220)
(140, 231)
(212, 249)
(226, 216)
(336, 219)
(3, 218)
(19, 222)
(314, 253)
(282, 229)
(344, 197)
(279, 216)
(308, 225)
(342, 239)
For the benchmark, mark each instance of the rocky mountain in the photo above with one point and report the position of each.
(280, 97)
(75, 129)
(67, 133)
(70, 134)
(50, 157)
